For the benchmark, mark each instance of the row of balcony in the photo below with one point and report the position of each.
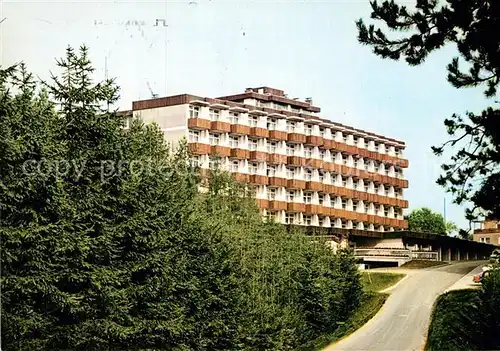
(320, 187)
(312, 140)
(310, 209)
(260, 156)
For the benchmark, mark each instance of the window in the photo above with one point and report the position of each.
(214, 115)
(355, 140)
(290, 195)
(322, 131)
(289, 218)
(195, 161)
(194, 136)
(344, 138)
(271, 123)
(290, 149)
(344, 203)
(307, 220)
(194, 111)
(234, 166)
(321, 221)
(344, 224)
(234, 117)
(321, 176)
(344, 181)
(366, 166)
(233, 141)
(321, 198)
(332, 201)
(386, 212)
(252, 168)
(322, 154)
(307, 198)
(308, 174)
(271, 171)
(290, 172)
(271, 216)
(308, 152)
(214, 139)
(271, 147)
(253, 121)
(271, 194)
(309, 129)
(252, 144)
(290, 126)
(366, 187)
(356, 163)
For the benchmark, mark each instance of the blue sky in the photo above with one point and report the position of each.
(215, 48)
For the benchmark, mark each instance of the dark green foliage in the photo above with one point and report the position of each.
(467, 319)
(472, 26)
(99, 255)
(370, 304)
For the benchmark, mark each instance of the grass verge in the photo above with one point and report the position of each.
(379, 281)
(419, 264)
(370, 305)
(453, 321)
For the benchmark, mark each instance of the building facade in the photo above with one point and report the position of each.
(306, 169)
(489, 232)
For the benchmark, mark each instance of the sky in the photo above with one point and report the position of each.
(217, 48)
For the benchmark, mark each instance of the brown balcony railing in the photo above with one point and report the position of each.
(198, 123)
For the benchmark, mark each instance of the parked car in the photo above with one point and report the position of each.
(495, 256)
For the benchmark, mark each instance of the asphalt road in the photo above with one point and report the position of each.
(402, 322)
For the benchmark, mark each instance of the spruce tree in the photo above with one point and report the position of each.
(473, 174)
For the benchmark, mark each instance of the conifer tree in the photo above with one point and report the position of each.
(472, 27)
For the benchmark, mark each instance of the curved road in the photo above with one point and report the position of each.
(402, 323)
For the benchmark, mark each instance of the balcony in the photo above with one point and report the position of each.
(314, 163)
(277, 135)
(199, 148)
(240, 129)
(314, 140)
(275, 181)
(312, 209)
(259, 132)
(262, 203)
(296, 161)
(277, 205)
(240, 177)
(241, 154)
(315, 186)
(221, 127)
(258, 179)
(222, 151)
(296, 207)
(276, 158)
(258, 156)
(296, 184)
(198, 123)
(324, 210)
(296, 138)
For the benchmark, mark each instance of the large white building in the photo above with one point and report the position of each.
(306, 169)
